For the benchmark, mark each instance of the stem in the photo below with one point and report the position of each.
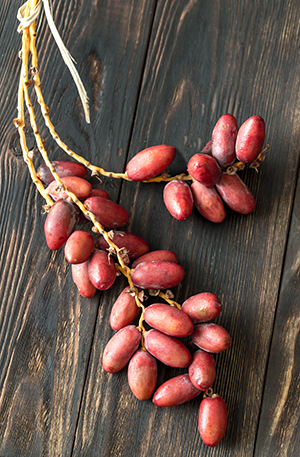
(168, 300)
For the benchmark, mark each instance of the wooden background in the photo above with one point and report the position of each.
(156, 72)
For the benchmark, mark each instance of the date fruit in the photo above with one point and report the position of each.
(162, 255)
(178, 199)
(211, 337)
(150, 162)
(78, 186)
(167, 349)
(202, 307)
(250, 139)
(134, 244)
(108, 213)
(99, 193)
(212, 420)
(208, 202)
(102, 270)
(60, 223)
(236, 194)
(124, 311)
(120, 348)
(80, 276)
(79, 247)
(202, 370)
(157, 275)
(175, 391)
(142, 374)
(63, 168)
(205, 169)
(169, 320)
(223, 140)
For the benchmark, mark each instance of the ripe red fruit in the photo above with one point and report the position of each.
(124, 310)
(150, 162)
(102, 270)
(202, 307)
(205, 169)
(163, 255)
(211, 337)
(81, 278)
(250, 139)
(134, 244)
(120, 348)
(202, 370)
(178, 199)
(167, 349)
(208, 202)
(79, 247)
(223, 140)
(212, 420)
(142, 374)
(63, 168)
(236, 194)
(169, 320)
(108, 213)
(78, 186)
(175, 391)
(157, 275)
(60, 223)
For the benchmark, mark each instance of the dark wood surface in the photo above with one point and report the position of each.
(155, 72)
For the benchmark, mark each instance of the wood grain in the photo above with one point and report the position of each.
(46, 327)
(278, 431)
(204, 59)
(156, 72)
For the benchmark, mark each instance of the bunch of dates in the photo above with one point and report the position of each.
(141, 348)
(93, 258)
(215, 181)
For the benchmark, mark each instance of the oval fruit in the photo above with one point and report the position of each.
(120, 349)
(236, 194)
(124, 311)
(205, 169)
(134, 244)
(78, 186)
(80, 276)
(63, 168)
(79, 247)
(162, 255)
(108, 213)
(157, 275)
(178, 199)
(99, 193)
(202, 370)
(168, 350)
(202, 307)
(142, 374)
(250, 139)
(223, 140)
(60, 223)
(208, 202)
(169, 320)
(102, 270)
(212, 420)
(175, 391)
(211, 337)
(150, 162)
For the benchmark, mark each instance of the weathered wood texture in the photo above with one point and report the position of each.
(156, 72)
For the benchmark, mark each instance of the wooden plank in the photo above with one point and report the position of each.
(279, 430)
(46, 328)
(205, 59)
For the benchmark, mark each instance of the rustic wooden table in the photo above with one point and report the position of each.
(155, 72)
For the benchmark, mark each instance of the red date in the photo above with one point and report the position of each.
(150, 162)
(178, 199)
(212, 420)
(120, 349)
(169, 320)
(175, 391)
(202, 307)
(211, 337)
(142, 374)
(102, 270)
(157, 275)
(168, 350)
(60, 223)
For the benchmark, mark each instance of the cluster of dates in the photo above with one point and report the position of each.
(94, 268)
(214, 182)
(141, 348)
